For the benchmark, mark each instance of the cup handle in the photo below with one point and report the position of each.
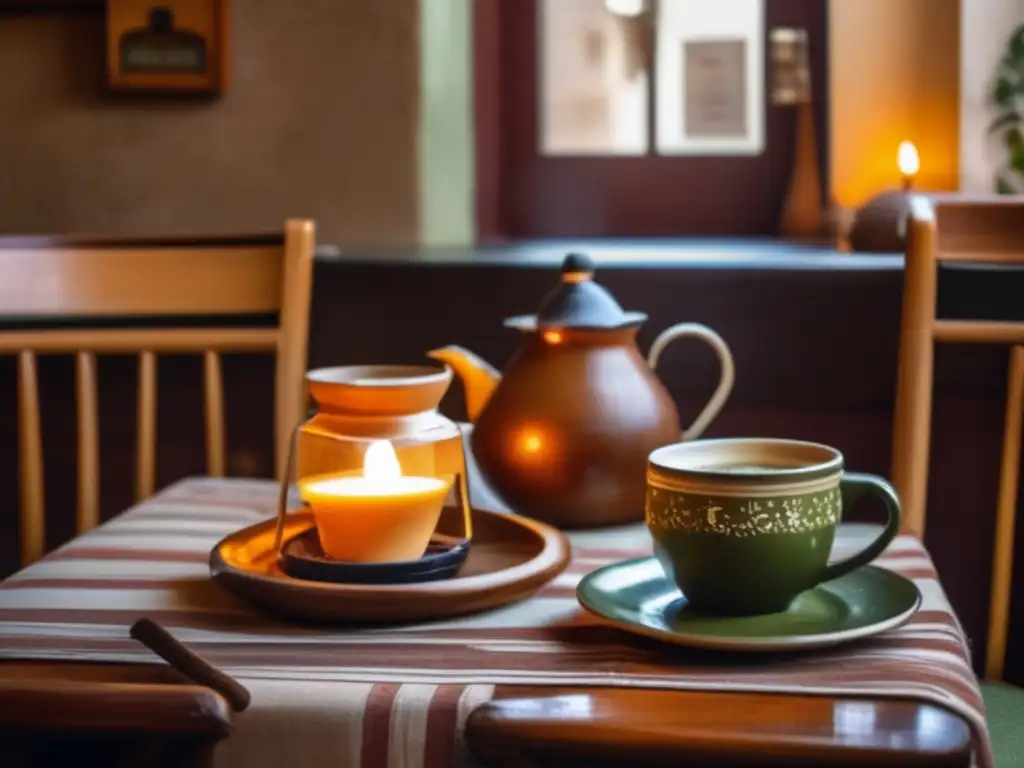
(725, 381)
(852, 486)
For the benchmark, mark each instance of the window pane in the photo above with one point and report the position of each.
(593, 77)
(709, 84)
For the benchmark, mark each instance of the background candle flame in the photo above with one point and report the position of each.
(908, 159)
(380, 463)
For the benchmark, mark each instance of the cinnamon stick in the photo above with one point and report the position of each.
(189, 663)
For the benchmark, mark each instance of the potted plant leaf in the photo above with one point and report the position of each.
(1007, 99)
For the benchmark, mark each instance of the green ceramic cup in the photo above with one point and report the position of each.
(745, 525)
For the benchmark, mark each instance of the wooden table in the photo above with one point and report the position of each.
(524, 726)
(564, 727)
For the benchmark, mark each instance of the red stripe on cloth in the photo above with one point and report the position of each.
(377, 725)
(157, 531)
(85, 552)
(609, 554)
(590, 653)
(442, 724)
(212, 620)
(31, 582)
(265, 503)
(564, 630)
(199, 509)
(233, 520)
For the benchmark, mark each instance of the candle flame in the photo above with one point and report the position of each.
(908, 159)
(380, 463)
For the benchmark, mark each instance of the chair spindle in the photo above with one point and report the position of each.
(145, 473)
(1006, 512)
(214, 406)
(88, 442)
(30, 439)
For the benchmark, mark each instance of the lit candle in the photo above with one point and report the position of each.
(381, 516)
(909, 163)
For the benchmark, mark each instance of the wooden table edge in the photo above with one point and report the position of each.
(641, 725)
(109, 698)
(654, 726)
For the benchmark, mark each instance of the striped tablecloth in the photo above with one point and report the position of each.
(399, 697)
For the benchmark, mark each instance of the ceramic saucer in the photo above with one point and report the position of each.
(511, 557)
(636, 597)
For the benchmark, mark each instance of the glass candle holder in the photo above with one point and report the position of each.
(377, 462)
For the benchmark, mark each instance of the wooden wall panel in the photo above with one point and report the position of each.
(895, 75)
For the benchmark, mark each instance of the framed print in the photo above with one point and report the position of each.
(167, 45)
(716, 89)
(710, 81)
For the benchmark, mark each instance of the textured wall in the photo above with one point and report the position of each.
(320, 120)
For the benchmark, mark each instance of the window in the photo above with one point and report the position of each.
(639, 118)
(596, 89)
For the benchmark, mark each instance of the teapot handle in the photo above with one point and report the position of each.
(725, 381)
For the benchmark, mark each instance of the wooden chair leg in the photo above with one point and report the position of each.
(1006, 513)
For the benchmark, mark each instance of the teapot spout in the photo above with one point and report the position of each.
(479, 378)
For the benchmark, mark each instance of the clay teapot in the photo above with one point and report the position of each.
(564, 435)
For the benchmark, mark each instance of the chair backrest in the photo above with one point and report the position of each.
(140, 280)
(957, 229)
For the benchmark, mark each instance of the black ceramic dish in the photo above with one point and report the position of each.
(302, 558)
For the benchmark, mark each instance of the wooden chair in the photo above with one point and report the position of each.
(56, 713)
(147, 279)
(951, 229)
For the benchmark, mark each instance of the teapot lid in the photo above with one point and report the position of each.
(578, 302)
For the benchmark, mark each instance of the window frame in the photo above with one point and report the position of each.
(497, 127)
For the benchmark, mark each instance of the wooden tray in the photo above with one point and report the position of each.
(510, 558)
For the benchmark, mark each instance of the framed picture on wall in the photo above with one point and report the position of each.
(715, 81)
(177, 46)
